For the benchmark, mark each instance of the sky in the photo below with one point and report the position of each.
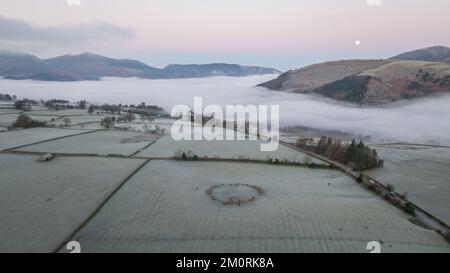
(284, 34)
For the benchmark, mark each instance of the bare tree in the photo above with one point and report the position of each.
(67, 121)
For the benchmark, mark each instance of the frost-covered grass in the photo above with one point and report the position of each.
(16, 138)
(39, 108)
(6, 105)
(166, 146)
(57, 112)
(164, 121)
(43, 203)
(101, 143)
(143, 126)
(8, 120)
(75, 120)
(87, 126)
(42, 118)
(423, 172)
(289, 138)
(8, 111)
(165, 208)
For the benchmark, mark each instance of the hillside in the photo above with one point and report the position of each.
(20, 65)
(88, 66)
(391, 82)
(429, 54)
(314, 76)
(216, 69)
(372, 81)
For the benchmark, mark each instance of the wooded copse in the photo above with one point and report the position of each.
(358, 156)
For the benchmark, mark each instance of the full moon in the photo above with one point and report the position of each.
(357, 42)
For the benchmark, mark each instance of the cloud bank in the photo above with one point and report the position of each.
(12, 30)
(422, 121)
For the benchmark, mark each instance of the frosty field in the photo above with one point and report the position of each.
(42, 118)
(167, 147)
(180, 206)
(53, 118)
(98, 143)
(16, 138)
(165, 208)
(7, 110)
(8, 119)
(199, 206)
(38, 111)
(421, 171)
(74, 120)
(43, 203)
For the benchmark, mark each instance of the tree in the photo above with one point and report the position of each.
(350, 154)
(357, 156)
(6, 97)
(409, 208)
(91, 109)
(107, 122)
(22, 105)
(322, 145)
(67, 121)
(130, 117)
(82, 104)
(24, 121)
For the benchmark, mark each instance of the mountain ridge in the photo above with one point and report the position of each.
(428, 54)
(372, 82)
(91, 66)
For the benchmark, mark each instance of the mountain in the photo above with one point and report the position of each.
(371, 82)
(429, 54)
(216, 69)
(88, 66)
(310, 77)
(391, 82)
(20, 65)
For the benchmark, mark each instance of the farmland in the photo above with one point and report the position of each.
(421, 171)
(16, 138)
(301, 210)
(122, 190)
(99, 143)
(243, 149)
(43, 203)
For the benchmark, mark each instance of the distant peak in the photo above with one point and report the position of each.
(84, 54)
(17, 54)
(89, 54)
(437, 47)
(13, 53)
(431, 54)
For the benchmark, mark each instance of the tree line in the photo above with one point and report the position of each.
(7, 97)
(358, 156)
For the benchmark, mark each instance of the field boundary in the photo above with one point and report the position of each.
(102, 204)
(51, 139)
(426, 217)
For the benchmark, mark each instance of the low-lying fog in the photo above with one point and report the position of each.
(426, 121)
